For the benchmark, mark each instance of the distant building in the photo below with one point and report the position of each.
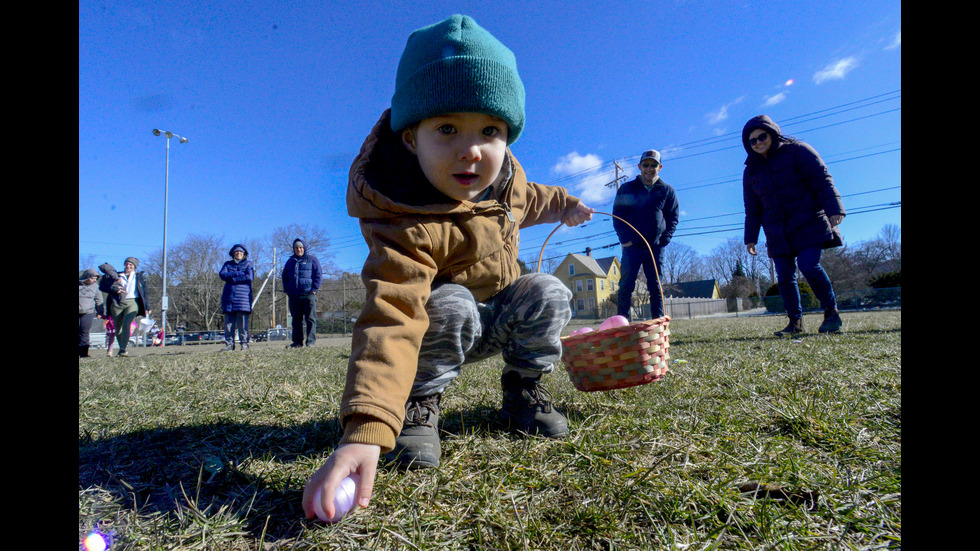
(591, 280)
(706, 288)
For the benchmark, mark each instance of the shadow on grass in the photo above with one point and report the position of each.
(200, 466)
(151, 471)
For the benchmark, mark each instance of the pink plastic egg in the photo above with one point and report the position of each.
(581, 331)
(615, 321)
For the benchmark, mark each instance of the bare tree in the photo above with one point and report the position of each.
(725, 258)
(881, 254)
(193, 286)
(681, 263)
(86, 262)
(316, 240)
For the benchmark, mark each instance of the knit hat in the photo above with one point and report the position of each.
(89, 273)
(136, 263)
(456, 66)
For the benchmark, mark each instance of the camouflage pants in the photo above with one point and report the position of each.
(523, 322)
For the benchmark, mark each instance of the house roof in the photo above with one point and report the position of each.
(691, 289)
(605, 263)
(595, 266)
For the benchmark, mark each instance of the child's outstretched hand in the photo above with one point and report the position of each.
(576, 216)
(348, 458)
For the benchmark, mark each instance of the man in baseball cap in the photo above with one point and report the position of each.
(650, 205)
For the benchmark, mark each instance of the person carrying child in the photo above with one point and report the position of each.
(441, 200)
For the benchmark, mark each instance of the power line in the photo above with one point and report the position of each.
(356, 240)
(785, 122)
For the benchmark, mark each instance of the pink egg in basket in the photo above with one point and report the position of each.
(615, 321)
(581, 331)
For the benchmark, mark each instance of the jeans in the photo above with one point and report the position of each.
(523, 322)
(635, 256)
(239, 321)
(303, 310)
(808, 262)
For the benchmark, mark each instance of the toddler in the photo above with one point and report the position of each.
(441, 200)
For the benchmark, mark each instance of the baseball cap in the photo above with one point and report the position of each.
(650, 154)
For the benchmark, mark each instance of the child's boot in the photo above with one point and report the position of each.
(417, 447)
(527, 407)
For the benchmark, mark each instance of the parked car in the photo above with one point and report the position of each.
(277, 334)
(194, 337)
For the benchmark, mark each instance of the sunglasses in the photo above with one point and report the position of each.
(649, 165)
(760, 139)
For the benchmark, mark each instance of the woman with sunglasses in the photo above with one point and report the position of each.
(789, 193)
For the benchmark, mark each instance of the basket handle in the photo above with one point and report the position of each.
(655, 270)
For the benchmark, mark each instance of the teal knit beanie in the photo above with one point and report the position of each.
(456, 66)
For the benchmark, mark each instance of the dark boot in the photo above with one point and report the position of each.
(417, 447)
(527, 407)
(83, 352)
(831, 322)
(795, 327)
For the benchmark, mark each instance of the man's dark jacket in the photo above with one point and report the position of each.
(653, 213)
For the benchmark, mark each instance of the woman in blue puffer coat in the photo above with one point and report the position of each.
(789, 193)
(236, 299)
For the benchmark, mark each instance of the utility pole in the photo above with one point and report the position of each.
(274, 270)
(615, 183)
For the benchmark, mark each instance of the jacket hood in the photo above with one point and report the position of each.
(764, 122)
(238, 246)
(293, 245)
(385, 180)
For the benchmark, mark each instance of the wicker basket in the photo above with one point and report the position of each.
(619, 357)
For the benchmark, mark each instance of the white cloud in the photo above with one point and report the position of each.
(896, 42)
(589, 177)
(836, 70)
(721, 114)
(574, 163)
(769, 101)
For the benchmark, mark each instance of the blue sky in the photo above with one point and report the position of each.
(276, 98)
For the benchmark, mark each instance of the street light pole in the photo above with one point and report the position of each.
(166, 196)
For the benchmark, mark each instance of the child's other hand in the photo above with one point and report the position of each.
(348, 458)
(579, 214)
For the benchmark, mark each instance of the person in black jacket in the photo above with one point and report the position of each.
(300, 280)
(650, 205)
(127, 298)
(789, 193)
(236, 298)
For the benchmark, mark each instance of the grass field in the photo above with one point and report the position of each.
(750, 442)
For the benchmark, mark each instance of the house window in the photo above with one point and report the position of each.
(590, 285)
(602, 284)
(571, 269)
(578, 285)
(581, 304)
(591, 304)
